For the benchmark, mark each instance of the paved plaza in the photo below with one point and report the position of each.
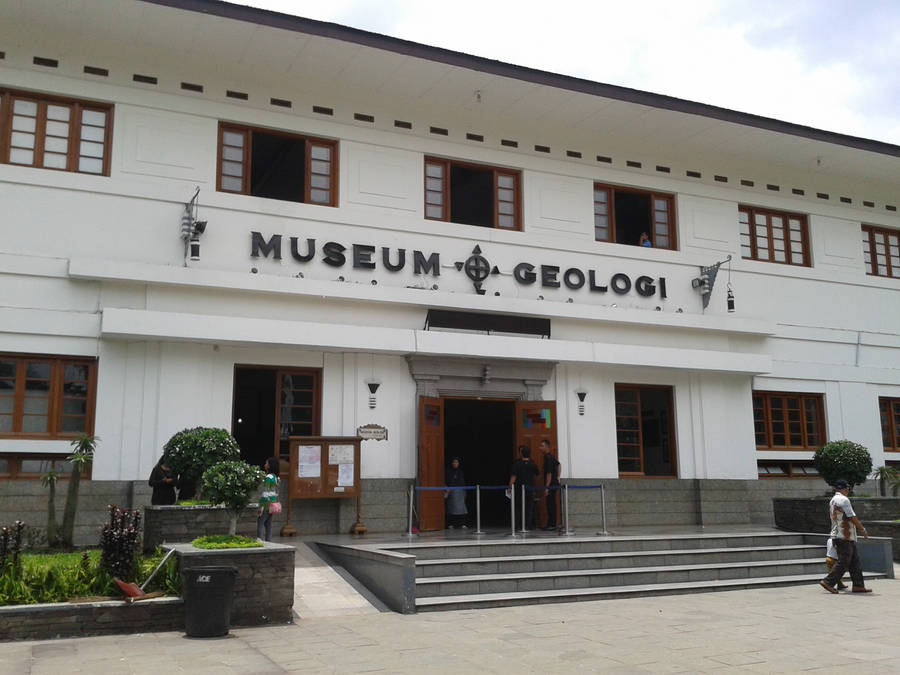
(776, 630)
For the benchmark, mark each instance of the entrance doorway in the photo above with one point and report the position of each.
(485, 434)
(482, 434)
(271, 405)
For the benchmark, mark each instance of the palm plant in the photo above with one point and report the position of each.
(82, 455)
(48, 480)
(886, 475)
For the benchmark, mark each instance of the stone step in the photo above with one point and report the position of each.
(544, 545)
(570, 561)
(627, 576)
(485, 600)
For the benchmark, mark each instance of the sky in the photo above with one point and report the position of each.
(828, 64)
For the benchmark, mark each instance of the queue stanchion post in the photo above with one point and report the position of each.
(568, 530)
(603, 508)
(478, 510)
(409, 532)
(523, 530)
(512, 510)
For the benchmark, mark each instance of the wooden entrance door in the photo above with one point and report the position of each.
(536, 422)
(431, 463)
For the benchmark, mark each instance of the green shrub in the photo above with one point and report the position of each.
(192, 451)
(216, 541)
(119, 543)
(843, 460)
(231, 484)
(56, 577)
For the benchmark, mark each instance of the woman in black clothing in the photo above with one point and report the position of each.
(162, 480)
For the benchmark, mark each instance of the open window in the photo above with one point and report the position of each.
(472, 194)
(623, 215)
(277, 165)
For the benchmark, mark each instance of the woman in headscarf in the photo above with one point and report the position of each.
(456, 499)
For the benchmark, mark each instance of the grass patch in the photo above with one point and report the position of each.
(215, 541)
(192, 502)
(59, 577)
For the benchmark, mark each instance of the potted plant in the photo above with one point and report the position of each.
(191, 452)
(231, 483)
(843, 459)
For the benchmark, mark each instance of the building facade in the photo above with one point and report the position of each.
(221, 216)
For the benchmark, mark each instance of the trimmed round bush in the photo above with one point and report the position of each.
(191, 452)
(231, 484)
(843, 459)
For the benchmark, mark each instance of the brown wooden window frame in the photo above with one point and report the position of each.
(55, 397)
(788, 469)
(76, 135)
(889, 414)
(752, 238)
(671, 241)
(11, 466)
(890, 240)
(311, 142)
(763, 414)
(638, 388)
(513, 176)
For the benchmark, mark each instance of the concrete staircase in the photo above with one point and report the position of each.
(501, 572)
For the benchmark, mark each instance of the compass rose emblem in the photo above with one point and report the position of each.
(477, 268)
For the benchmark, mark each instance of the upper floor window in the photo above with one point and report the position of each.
(881, 249)
(636, 217)
(54, 133)
(788, 420)
(46, 396)
(774, 236)
(472, 194)
(889, 408)
(277, 165)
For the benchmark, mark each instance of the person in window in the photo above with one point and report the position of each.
(523, 472)
(162, 480)
(645, 240)
(456, 499)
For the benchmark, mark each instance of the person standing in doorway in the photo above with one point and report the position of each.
(523, 472)
(844, 526)
(456, 499)
(551, 483)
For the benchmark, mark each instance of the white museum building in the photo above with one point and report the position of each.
(214, 215)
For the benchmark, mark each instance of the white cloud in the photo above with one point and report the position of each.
(826, 64)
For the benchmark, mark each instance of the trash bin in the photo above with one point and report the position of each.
(207, 595)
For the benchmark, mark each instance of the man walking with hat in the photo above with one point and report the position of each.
(844, 526)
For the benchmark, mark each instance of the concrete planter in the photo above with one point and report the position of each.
(263, 594)
(811, 514)
(164, 524)
(264, 586)
(886, 528)
(65, 619)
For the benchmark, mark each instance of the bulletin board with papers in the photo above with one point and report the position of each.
(324, 466)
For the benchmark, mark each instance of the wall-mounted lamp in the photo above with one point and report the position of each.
(191, 229)
(707, 279)
(581, 394)
(373, 387)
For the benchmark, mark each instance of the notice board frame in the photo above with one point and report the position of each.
(326, 484)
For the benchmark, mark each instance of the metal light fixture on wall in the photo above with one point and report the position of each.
(581, 394)
(191, 229)
(707, 279)
(373, 387)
